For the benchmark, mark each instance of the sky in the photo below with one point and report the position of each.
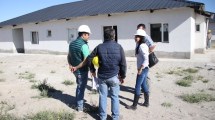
(13, 8)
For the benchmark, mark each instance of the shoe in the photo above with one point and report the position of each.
(134, 106)
(146, 102)
(131, 107)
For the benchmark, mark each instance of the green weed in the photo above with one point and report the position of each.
(2, 80)
(8, 117)
(68, 82)
(191, 70)
(48, 115)
(175, 72)
(4, 108)
(53, 72)
(26, 75)
(186, 81)
(197, 97)
(44, 88)
(166, 104)
(211, 89)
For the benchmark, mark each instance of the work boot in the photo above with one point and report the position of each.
(146, 102)
(134, 106)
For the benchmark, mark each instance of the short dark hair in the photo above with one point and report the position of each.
(141, 25)
(109, 34)
(81, 33)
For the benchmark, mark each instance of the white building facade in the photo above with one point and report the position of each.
(177, 32)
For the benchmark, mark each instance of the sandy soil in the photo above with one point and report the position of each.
(17, 91)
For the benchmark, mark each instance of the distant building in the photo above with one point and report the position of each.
(178, 27)
(212, 26)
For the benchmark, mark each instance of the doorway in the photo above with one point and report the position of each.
(72, 35)
(18, 40)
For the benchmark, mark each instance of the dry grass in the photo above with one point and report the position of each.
(44, 89)
(197, 97)
(26, 75)
(53, 71)
(166, 104)
(49, 115)
(186, 81)
(67, 82)
(2, 80)
(180, 72)
(4, 108)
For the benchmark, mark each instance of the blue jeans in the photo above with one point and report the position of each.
(208, 44)
(81, 80)
(113, 85)
(141, 80)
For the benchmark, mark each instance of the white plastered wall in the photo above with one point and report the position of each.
(180, 23)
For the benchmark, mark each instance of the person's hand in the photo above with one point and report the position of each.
(71, 68)
(74, 69)
(121, 80)
(139, 71)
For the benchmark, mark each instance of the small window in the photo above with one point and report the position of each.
(49, 33)
(156, 32)
(197, 27)
(116, 32)
(34, 38)
(160, 32)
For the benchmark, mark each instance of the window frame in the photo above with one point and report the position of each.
(48, 33)
(197, 24)
(162, 31)
(115, 27)
(37, 38)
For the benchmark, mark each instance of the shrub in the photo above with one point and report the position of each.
(2, 80)
(26, 75)
(198, 97)
(53, 72)
(166, 104)
(191, 70)
(44, 89)
(8, 117)
(48, 115)
(186, 81)
(67, 82)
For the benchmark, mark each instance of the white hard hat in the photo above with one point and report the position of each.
(84, 28)
(140, 32)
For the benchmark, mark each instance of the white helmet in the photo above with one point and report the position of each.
(84, 28)
(140, 32)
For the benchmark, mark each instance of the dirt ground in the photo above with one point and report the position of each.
(17, 92)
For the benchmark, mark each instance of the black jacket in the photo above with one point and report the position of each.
(111, 60)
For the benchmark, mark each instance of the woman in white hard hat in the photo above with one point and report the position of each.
(142, 53)
(78, 52)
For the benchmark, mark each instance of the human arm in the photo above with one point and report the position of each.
(122, 66)
(85, 53)
(89, 61)
(145, 53)
(150, 43)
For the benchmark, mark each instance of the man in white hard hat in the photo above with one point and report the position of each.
(78, 52)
